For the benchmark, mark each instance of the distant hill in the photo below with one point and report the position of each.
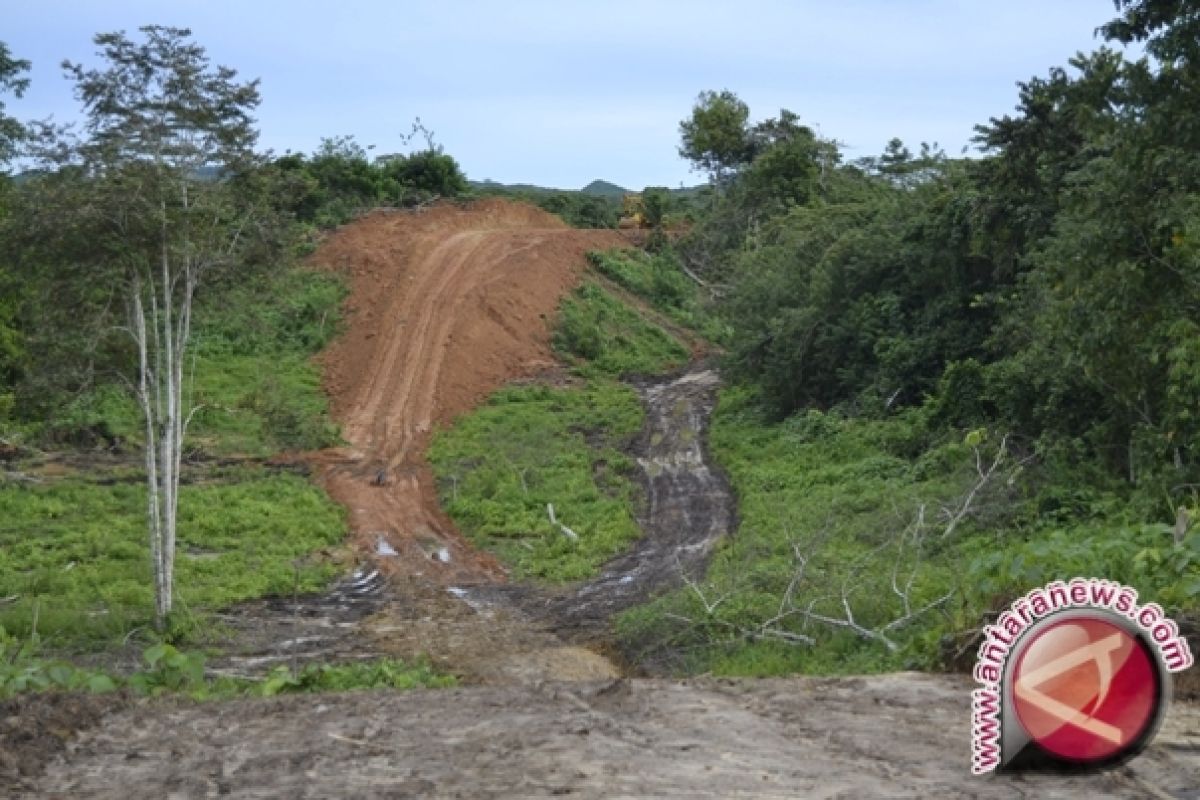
(601, 188)
(597, 188)
(489, 185)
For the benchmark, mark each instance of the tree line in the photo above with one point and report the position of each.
(1049, 287)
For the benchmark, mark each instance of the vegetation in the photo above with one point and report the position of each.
(500, 466)
(82, 244)
(75, 553)
(888, 314)
(604, 336)
(875, 513)
(339, 181)
(948, 379)
(658, 279)
(166, 669)
(530, 447)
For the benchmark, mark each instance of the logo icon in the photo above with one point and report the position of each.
(1074, 674)
(1085, 689)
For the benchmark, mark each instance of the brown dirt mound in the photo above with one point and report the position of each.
(446, 306)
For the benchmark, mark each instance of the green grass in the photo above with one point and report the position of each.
(500, 465)
(603, 336)
(76, 557)
(841, 491)
(168, 670)
(659, 279)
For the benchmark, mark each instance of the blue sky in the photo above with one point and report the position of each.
(559, 93)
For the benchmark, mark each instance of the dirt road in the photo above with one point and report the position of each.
(446, 306)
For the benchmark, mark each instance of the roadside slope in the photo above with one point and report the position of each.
(446, 306)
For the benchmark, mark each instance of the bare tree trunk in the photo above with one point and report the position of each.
(162, 332)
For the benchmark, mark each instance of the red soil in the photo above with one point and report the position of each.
(446, 306)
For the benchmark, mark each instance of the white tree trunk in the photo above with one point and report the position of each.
(162, 332)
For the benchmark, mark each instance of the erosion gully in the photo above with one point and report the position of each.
(505, 633)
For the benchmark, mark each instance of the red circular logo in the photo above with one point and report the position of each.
(1085, 689)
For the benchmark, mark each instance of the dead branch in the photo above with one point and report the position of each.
(954, 516)
(570, 534)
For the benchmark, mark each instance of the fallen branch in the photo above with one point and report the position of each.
(570, 534)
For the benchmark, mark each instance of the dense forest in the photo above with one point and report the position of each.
(1035, 306)
(948, 379)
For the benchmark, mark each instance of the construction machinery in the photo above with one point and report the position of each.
(633, 212)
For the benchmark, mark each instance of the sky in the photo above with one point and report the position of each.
(560, 92)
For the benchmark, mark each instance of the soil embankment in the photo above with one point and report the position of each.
(446, 306)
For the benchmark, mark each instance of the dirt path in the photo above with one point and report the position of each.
(893, 736)
(446, 306)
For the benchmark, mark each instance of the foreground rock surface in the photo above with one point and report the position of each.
(896, 736)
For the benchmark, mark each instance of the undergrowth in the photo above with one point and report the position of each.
(248, 371)
(166, 669)
(76, 567)
(603, 336)
(530, 447)
(76, 570)
(841, 511)
(659, 279)
(501, 465)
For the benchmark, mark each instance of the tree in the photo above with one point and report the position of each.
(166, 138)
(716, 138)
(12, 79)
(11, 133)
(656, 202)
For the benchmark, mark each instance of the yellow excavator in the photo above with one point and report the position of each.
(633, 212)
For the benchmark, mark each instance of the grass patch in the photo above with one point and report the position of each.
(168, 670)
(77, 560)
(659, 279)
(845, 494)
(499, 467)
(603, 336)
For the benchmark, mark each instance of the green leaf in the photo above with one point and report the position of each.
(100, 683)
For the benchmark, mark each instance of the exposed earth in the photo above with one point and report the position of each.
(448, 305)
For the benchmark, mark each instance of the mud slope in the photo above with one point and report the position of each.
(689, 509)
(446, 306)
